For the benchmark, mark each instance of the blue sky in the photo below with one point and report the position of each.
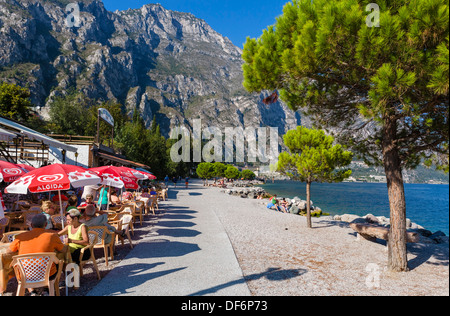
(235, 19)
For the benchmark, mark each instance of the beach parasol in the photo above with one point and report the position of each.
(132, 173)
(57, 177)
(27, 168)
(112, 177)
(147, 173)
(10, 172)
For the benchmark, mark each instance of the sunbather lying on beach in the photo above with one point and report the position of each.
(274, 205)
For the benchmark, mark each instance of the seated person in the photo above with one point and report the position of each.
(284, 205)
(89, 190)
(90, 220)
(48, 210)
(274, 204)
(89, 201)
(73, 201)
(115, 200)
(153, 191)
(274, 199)
(127, 197)
(78, 237)
(145, 193)
(38, 240)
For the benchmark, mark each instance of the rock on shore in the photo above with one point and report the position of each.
(245, 192)
(426, 236)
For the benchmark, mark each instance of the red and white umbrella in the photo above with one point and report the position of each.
(10, 172)
(112, 176)
(57, 177)
(147, 174)
(27, 168)
(139, 175)
(131, 173)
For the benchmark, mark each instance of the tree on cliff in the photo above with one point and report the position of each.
(375, 76)
(313, 158)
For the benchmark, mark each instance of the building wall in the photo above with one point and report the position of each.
(55, 156)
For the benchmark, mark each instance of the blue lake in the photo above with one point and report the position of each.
(426, 204)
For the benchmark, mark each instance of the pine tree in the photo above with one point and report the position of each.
(382, 90)
(313, 158)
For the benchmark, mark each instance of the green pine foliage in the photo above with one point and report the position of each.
(313, 157)
(323, 58)
(144, 145)
(206, 170)
(232, 173)
(248, 175)
(209, 170)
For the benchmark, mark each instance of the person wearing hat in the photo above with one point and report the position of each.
(78, 237)
(89, 200)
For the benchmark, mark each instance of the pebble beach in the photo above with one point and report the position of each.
(270, 253)
(280, 256)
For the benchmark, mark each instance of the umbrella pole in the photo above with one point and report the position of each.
(107, 196)
(60, 208)
(62, 223)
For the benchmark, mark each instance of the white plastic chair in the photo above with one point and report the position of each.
(33, 271)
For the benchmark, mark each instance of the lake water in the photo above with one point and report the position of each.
(426, 204)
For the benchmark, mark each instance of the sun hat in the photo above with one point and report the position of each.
(71, 208)
(74, 213)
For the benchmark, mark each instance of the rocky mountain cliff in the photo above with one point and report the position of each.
(159, 62)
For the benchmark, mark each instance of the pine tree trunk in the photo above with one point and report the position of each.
(397, 259)
(308, 204)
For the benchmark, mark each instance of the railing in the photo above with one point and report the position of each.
(73, 139)
(31, 151)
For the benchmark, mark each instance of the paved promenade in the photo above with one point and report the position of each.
(188, 253)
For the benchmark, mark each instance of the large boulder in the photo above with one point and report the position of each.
(349, 218)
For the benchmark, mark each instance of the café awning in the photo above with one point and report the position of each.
(7, 136)
(34, 135)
